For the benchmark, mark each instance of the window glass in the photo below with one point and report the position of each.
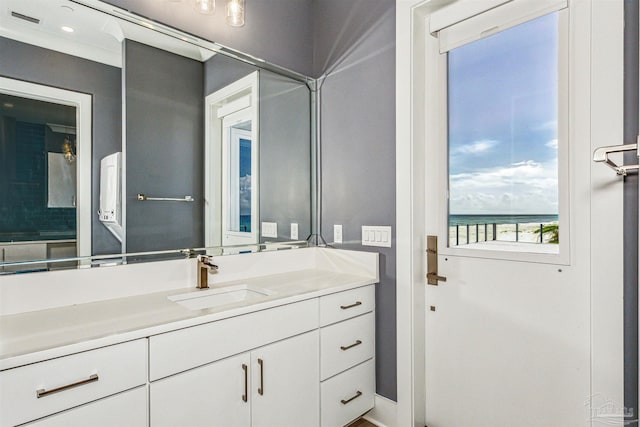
(503, 138)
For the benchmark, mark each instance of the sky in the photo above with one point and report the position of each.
(503, 106)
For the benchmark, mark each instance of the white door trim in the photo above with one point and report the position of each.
(82, 103)
(599, 53)
(223, 101)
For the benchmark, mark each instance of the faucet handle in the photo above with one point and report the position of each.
(208, 261)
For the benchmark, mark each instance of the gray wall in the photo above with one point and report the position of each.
(164, 125)
(631, 210)
(103, 82)
(277, 31)
(355, 46)
(285, 155)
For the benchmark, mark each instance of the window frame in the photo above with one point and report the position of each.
(530, 252)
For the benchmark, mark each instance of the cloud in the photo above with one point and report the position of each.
(476, 147)
(245, 195)
(552, 144)
(523, 187)
(549, 125)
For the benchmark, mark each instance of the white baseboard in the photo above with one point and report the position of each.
(384, 413)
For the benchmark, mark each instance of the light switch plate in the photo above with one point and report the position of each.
(337, 233)
(270, 229)
(294, 231)
(376, 236)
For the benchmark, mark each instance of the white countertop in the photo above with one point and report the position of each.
(39, 335)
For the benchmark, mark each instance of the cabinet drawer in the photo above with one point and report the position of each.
(347, 396)
(347, 304)
(128, 409)
(188, 348)
(89, 375)
(346, 344)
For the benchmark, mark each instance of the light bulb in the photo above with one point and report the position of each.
(207, 7)
(235, 13)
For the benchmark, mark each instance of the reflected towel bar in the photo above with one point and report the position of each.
(143, 198)
(602, 155)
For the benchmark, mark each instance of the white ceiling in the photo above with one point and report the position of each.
(98, 36)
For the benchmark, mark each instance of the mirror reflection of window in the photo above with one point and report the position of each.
(240, 179)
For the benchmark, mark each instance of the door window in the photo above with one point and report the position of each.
(502, 122)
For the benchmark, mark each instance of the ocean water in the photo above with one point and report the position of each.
(245, 223)
(500, 219)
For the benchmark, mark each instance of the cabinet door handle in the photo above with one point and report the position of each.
(344, 348)
(261, 388)
(358, 394)
(246, 382)
(43, 393)
(355, 304)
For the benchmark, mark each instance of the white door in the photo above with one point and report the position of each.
(239, 180)
(509, 195)
(286, 383)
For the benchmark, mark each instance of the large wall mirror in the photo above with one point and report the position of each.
(119, 135)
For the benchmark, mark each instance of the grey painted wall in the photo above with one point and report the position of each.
(285, 154)
(103, 82)
(631, 210)
(355, 47)
(277, 31)
(164, 148)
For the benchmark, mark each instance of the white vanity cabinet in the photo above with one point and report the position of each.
(34, 391)
(274, 385)
(127, 409)
(347, 368)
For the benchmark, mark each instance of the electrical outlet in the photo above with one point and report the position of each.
(294, 231)
(337, 233)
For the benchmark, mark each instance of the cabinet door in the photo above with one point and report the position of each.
(213, 395)
(286, 383)
(128, 409)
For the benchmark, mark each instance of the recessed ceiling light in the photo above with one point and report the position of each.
(67, 29)
(7, 105)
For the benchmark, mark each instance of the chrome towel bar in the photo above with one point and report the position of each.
(602, 155)
(144, 198)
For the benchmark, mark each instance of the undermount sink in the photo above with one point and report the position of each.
(220, 296)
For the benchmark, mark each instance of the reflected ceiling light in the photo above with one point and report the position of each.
(7, 105)
(235, 13)
(207, 7)
(68, 149)
(67, 29)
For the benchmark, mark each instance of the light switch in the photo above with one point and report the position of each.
(294, 231)
(270, 229)
(337, 233)
(376, 236)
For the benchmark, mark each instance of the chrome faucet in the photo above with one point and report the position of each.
(205, 266)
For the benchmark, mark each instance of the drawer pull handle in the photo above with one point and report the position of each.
(261, 388)
(42, 392)
(357, 395)
(355, 304)
(344, 348)
(246, 383)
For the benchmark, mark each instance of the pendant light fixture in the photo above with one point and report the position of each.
(68, 149)
(235, 13)
(206, 7)
(234, 9)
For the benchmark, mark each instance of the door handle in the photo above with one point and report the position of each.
(432, 262)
